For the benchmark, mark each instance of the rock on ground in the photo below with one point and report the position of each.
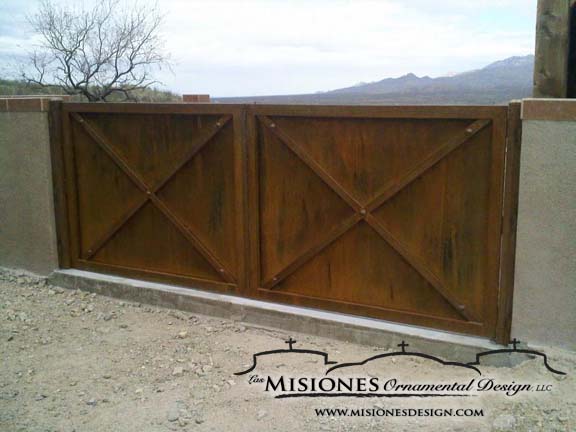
(74, 361)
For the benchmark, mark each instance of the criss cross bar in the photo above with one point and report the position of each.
(205, 135)
(330, 238)
(419, 266)
(388, 191)
(365, 212)
(314, 166)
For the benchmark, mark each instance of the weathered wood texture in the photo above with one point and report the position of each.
(157, 193)
(552, 49)
(389, 212)
(59, 182)
(509, 222)
(572, 53)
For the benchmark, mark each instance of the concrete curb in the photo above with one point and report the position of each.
(287, 318)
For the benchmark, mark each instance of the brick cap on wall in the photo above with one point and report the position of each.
(28, 103)
(195, 98)
(549, 109)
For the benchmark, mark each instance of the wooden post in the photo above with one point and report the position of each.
(509, 222)
(572, 53)
(59, 183)
(552, 48)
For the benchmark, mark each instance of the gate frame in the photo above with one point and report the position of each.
(509, 222)
(245, 133)
(66, 194)
(498, 115)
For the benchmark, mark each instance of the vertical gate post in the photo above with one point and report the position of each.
(509, 222)
(252, 210)
(572, 53)
(59, 182)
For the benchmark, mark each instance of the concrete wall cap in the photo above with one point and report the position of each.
(28, 103)
(549, 109)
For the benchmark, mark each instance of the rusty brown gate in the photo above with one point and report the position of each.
(390, 212)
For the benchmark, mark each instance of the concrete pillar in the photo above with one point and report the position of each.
(544, 309)
(27, 229)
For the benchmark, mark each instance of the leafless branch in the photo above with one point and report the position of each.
(111, 48)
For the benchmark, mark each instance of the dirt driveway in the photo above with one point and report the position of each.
(72, 361)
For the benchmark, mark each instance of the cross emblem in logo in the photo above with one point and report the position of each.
(403, 345)
(290, 342)
(515, 343)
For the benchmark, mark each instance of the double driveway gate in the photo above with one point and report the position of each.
(400, 213)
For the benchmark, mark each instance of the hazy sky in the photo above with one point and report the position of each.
(259, 47)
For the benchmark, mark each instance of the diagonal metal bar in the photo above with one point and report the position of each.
(192, 238)
(420, 168)
(98, 244)
(99, 138)
(198, 144)
(203, 138)
(303, 258)
(311, 163)
(364, 213)
(420, 267)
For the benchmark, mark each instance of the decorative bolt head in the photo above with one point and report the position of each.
(469, 130)
(272, 125)
(148, 193)
(221, 270)
(274, 278)
(461, 307)
(218, 124)
(362, 212)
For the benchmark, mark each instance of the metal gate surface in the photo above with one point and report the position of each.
(389, 212)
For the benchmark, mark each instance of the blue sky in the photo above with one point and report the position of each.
(259, 47)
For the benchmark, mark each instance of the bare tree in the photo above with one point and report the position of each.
(96, 52)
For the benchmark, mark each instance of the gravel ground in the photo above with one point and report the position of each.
(73, 361)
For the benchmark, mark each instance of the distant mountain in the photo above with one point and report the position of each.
(408, 82)
(496, 83)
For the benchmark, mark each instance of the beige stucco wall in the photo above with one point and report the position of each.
(27, 231)
(545, 289)
(544, 310)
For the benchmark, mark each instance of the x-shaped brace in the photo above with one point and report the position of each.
(365, 212)
(150, 191)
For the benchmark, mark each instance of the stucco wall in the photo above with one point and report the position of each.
(545, 289)
(545, 292)
(27, 230)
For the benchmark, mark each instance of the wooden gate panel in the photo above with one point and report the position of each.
(316, 210)
(153, 145)
(211, 213)
(441, 218)
(405, 222)
(158, 194)
(361, 268)
(350, 149)
(388, 212)
(149, 241)
(104, 193)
